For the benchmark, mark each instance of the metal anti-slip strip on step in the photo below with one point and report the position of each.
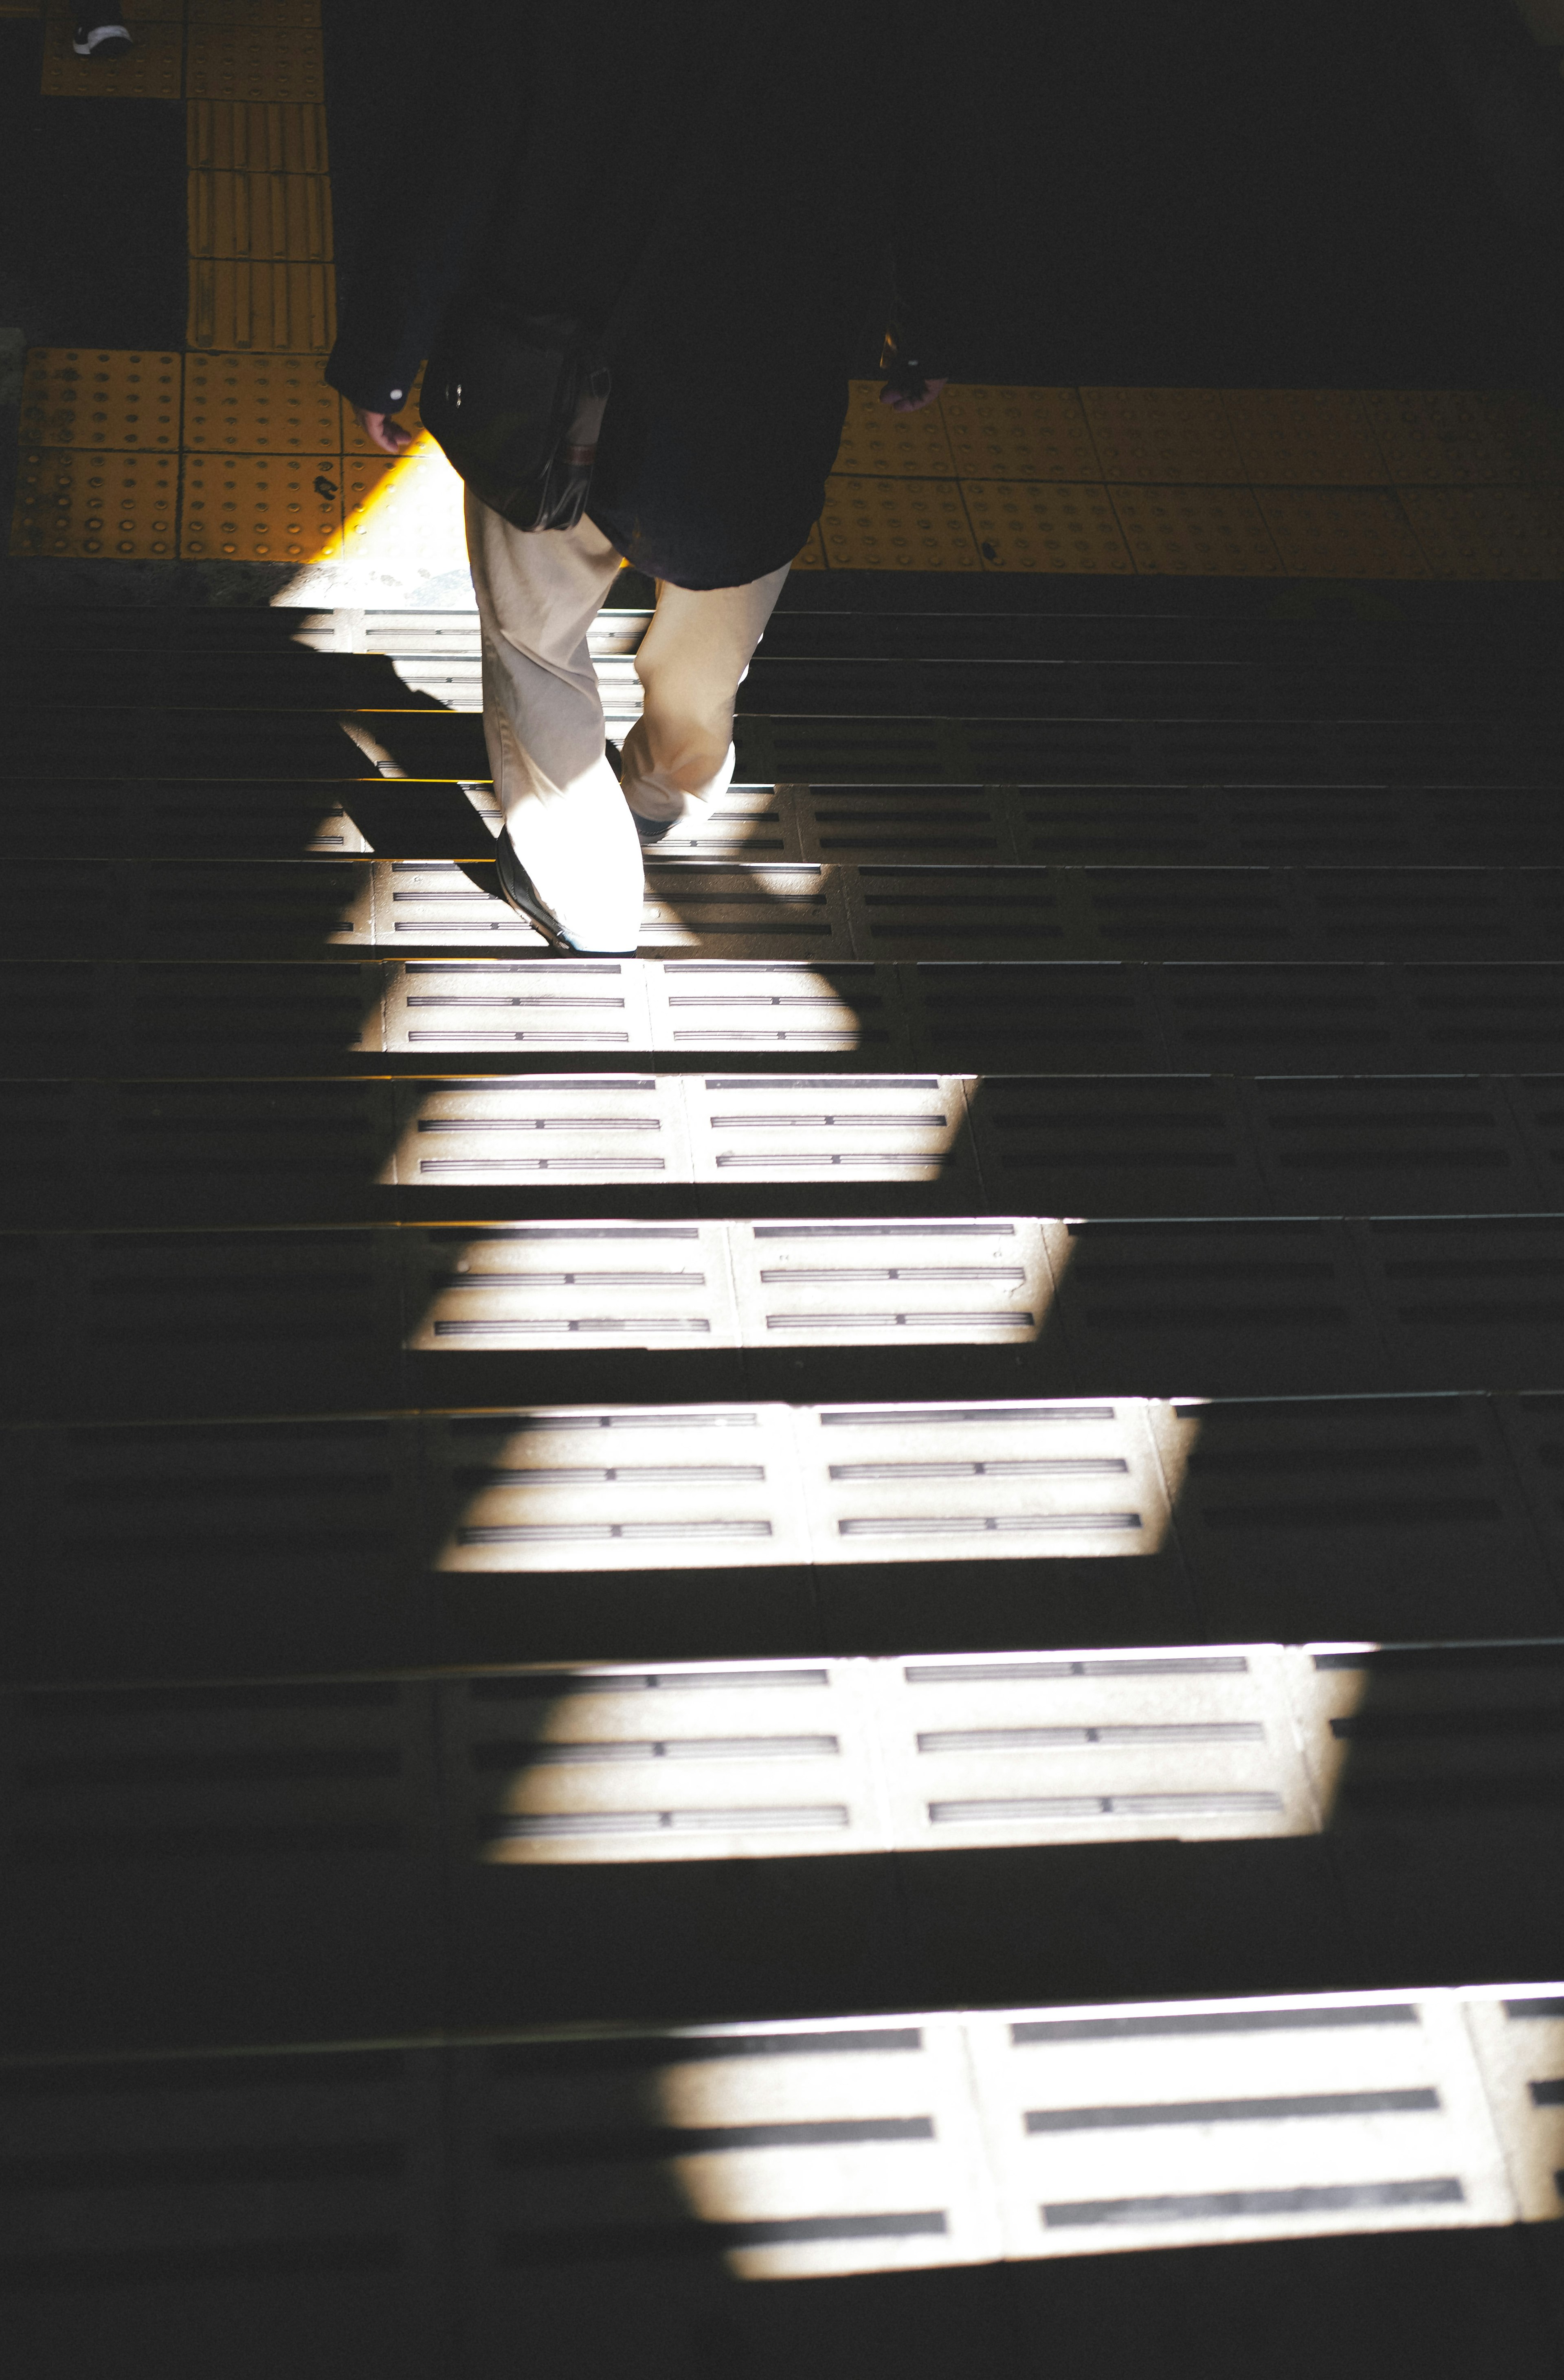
(828, 2145)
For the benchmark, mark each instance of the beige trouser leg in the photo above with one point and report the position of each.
(539, 592)
(692, 657)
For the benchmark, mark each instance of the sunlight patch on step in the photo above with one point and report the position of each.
(599, 1129)
(631, 1489)
(402, 541)
(959, 2138)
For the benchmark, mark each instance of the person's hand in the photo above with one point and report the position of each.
(911, 396)
(389, 435)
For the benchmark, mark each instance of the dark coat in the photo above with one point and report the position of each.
(802, 144)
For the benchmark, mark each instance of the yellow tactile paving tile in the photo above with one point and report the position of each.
(262, 12)
(410, 506)
(1018, 433)
(154, 68)
(244, 58)
(60, 16)
(262, 507)
(1038, 525)
(279, 217)
(281, 309)
(1196, 532)
(1455, 437)
(261, 136)
(1381, 483)
(132, 13)
(1303, 437)
(882, 523)
(1489, 532)
(1341, 533)
(118, 397)
(365, 478)
(1162, 434)
(119, 507)
(898, 446)
(259, 405)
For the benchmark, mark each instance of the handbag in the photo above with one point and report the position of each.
(516, 401)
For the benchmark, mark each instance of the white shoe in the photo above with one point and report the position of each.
(92, 40)
(518, 888)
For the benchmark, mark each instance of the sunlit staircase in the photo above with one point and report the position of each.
(980, 1429)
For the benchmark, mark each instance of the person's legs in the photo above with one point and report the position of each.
(692, 657)
(538, 592)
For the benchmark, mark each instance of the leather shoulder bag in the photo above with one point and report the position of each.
(516, 401)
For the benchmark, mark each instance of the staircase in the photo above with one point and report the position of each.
(979, 1429)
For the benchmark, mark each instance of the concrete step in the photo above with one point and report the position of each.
(227, 1018)
(615, 2197)
(1097, 827)
(813, 911)
(270, 1863)
(429, 1147)
(727, 1527)
(135, 1326)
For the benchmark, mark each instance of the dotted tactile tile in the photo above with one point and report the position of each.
(1162, 433)
(410, 506)
(365, 478)
(279, 309)
(899, 445)
(1034, 525)
(813, 554)
(60, 16)
(116, 397)
(1203, 532)
(1489, 532)
(275, 136)
(1019, 433)
(252, 214)
(262, 507)
(1341, 533)
(1449, 436)
(280, 13)
(253, 60)
(118, 507)
(133, 14)
(259, 405)
(152, 69)
(875, 524)
(1303, 437)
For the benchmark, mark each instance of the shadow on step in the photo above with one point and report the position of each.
(191, 1866)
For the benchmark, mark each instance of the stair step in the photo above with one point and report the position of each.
(807, 680)
(1094, 827)
(133, 1326)
(71, 743)
(633, 1531)
(742, 909)
(1091, 1017)
(625, 2184)
(237, 1151)
(326, 1843)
